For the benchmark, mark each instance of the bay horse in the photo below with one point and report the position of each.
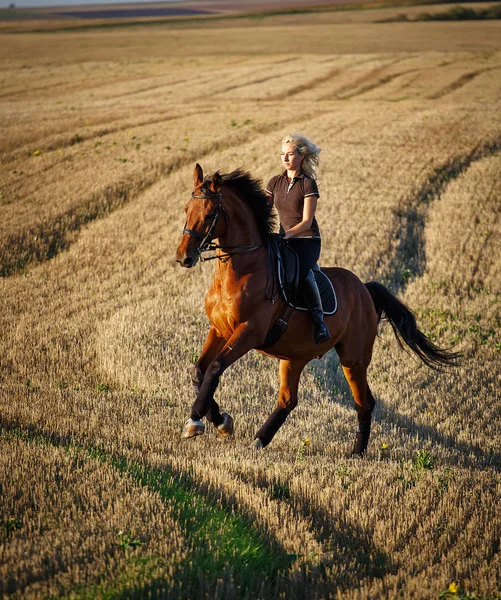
(234, 210)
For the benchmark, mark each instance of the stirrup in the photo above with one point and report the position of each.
(321, 333)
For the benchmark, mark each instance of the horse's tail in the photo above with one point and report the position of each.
(403, 323)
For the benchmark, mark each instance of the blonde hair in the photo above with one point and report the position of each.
(308, 150)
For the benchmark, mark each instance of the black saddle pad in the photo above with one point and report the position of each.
(325, 287)
(287, 268)
(327, 294)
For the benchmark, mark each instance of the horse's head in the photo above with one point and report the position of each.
(202, 218)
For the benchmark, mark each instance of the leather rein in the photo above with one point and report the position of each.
(206, 243)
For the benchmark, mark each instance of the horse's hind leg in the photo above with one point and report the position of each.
(290, 373)
(364, 403)
(355, 353)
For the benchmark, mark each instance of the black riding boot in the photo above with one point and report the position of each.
(312, 296)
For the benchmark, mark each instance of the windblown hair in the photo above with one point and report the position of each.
(251, 191)
(308, 150)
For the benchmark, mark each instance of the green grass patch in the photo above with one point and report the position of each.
(223, 545)
(219, 538)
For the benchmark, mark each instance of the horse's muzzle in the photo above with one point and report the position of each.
(187, 262)
(186, 256)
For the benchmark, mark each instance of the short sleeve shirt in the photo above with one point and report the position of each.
(288, 198)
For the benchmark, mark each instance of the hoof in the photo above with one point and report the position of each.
(356, 454)
(361, 443)
(193, 428)
(226, 429)
(257, 444)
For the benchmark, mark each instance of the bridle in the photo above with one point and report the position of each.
(206, 243)
(206, 238)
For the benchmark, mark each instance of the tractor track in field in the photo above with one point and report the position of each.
(362, 79)
(237, 86)
(379, 83)
(315, 82)
(307, 85)
(459, 83)
(409, 255)
(150, 88)
(67, 138)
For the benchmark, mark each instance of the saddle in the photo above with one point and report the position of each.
(287, 268)
(284, 262)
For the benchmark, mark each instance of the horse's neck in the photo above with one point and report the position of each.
(242, 232)
(241, 227)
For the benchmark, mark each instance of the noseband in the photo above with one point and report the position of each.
(206, 243)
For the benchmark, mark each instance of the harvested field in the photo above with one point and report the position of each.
(98, 325)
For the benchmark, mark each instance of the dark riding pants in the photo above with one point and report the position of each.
(308, 250)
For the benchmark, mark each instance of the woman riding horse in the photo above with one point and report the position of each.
(295, 195)
(232, 215)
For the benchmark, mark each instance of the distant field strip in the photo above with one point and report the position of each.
(125, 13)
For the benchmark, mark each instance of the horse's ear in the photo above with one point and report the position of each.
(198, 176)
(216, 183)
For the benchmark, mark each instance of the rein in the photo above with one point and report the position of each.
(206, 244)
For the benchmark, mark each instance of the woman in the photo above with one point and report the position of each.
(295, 195)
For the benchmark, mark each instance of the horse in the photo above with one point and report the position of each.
(232, 215)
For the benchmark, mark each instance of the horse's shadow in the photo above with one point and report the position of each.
(328, 370)
(344, 541)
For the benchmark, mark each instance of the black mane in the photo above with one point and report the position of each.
(251, 191)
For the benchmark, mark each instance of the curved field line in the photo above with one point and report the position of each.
(150, 88)
(67, 138)
(410, 256)
(361, 79)
(54, 86)
(379, 83)
(307, 85)
(459, 83)
(40, 88)
(312, 83)
(252, 82)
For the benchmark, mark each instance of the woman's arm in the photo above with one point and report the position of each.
(310, 205)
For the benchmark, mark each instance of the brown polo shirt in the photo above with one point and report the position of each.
(288, 198)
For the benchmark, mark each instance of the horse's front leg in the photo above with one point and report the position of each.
(290, 373)
(243, 339)
(214, 342)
